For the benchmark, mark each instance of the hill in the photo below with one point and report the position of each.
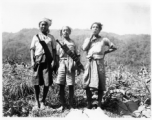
(133, 50)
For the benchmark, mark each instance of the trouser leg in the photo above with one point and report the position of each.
(89, 95)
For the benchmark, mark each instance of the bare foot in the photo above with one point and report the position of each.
(61, 108)
(42, 105)
(36, 106)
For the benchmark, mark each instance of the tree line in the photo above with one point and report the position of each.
(133, 50)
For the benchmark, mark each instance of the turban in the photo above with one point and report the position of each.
(48, 21)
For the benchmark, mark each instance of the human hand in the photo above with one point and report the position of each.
(78, 72)
(106, 52)
(92, 35)
(32, 63)
(53, 64)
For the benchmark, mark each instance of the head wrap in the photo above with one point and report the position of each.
(48, 21)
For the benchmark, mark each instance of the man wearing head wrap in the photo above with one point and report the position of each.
(48, 21)
(43, 51)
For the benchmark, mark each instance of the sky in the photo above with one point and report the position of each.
(117, 16)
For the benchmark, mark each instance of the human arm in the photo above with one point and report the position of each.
(111, 49)
(53, 45)
(55, 62)
(32, 51)
(79, 67)
(110, 45)
(32, 57)
(87, 43)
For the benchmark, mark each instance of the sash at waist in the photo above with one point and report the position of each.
(95, 56)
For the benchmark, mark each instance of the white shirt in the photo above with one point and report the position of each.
(70, 44)
(49, 40)
(97, 47)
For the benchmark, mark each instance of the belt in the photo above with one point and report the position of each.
(63, 58)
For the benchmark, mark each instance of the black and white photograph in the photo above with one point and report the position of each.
(76, 59)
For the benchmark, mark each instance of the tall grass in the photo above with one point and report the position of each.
(18, 94)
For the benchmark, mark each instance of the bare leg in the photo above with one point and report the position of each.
(45, 91)
(100, 94)
(71, 94)
(89, 95)
(62, 94)
(37, 92)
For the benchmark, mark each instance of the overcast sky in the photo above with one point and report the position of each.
(117, 16)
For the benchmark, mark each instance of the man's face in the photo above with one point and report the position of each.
(95, 29)
(65, 32)
(43, 26)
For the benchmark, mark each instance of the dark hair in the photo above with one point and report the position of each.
(47, 24)
(68, 29)
(99, 25)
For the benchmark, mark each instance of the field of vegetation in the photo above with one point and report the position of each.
(123, 88)
(128, 78)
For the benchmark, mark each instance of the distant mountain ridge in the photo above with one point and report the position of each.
(132, 49)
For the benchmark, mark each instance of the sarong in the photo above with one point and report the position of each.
(94, 75)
